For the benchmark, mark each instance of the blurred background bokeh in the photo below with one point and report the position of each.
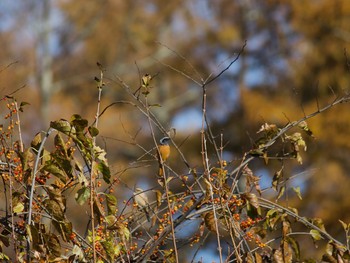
(295, 61)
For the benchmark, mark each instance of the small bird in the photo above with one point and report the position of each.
(164, 152)
(141, 199)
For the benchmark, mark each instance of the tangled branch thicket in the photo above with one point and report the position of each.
(187, 209)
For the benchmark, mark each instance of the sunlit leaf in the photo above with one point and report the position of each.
(158, 197)
(249, 258)
(294, 210)
(123, 231)
(303, 125)
(4, 256)
(169, 179)
(278, 256)
(100, 154)
(258, 258)
(287, 252)
(270, 129)
(299, 158)
(82, 195)
(316, 235)
(345, 226)
(319, 223)
(63, 126)
(252, 199)
(18, 208)
(272, 218)
(109, 248)
(266, 158)
(297, 191)
(276, 178)
(169, 256)
(110, 220)
(280, 192)
(36, 141)
(285, 227)
(146, 80)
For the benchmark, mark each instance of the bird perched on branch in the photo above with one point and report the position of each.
(141, 199)
(163, 154)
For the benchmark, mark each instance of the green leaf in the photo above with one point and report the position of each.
(106, 173)
(93, 131)
(65, 228)
(303, 125)
(319, 223)
(82, 195)
(55, 170)
(278, 256)
(78, 122)
(54, 246)
(110, 220)
(36, 141)
(100, 154)
(111, 204)
(252, 199)
(273, 216)
(109, 248)
(54, 209)
(316, 235)
(280, 192)
(294, 245)
(63, 126)
(23, 103)
(297, 191)
(18, 208)
(155, 105)
(4, 256)
(123, 232)
(60, 145)
(64, 164)
(345, 226)
(276, 178)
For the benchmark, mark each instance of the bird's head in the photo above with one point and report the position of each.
(164, 141)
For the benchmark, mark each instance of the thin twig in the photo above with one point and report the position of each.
(93, 163)
(205, 161)
(208, 80)
(32, 187)
(165, 184)
(183, 58)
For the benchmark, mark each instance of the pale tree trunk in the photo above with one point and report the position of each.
(44, 57)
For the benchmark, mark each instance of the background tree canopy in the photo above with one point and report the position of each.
(294, 62)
